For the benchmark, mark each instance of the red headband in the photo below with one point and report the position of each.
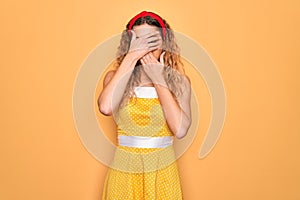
(144, 14)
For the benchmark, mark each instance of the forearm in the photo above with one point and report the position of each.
(112, 93)
(177, 120)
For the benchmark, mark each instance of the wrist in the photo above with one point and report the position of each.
(160, 83)
(128, 63)
(132, 56)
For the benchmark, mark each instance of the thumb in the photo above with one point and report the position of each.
(161, 58)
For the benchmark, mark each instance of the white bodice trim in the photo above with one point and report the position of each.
(145, 92)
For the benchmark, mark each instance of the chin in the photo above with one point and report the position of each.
(157, 53)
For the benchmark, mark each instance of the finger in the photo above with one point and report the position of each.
(151, 34)
(133, 37)
(154, 39)
(154, 44)
(153, 48)
(142, 61)
(161, 58)
(151, 57)
(146, 59)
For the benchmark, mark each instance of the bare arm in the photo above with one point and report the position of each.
(177, 114)
(114, 85)
(115, 82)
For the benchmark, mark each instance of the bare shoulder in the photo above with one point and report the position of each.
(187, 79)
(108, 76)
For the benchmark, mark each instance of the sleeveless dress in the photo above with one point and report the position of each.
(143, 172)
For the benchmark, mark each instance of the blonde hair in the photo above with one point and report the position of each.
(173, 69)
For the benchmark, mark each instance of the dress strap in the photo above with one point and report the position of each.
(145, 142)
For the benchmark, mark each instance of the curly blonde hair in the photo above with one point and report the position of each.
(173, 69)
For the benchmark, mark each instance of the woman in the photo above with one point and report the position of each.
(149, 96)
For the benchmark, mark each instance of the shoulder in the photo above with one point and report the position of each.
(108, 76)
(186, 81)
(186, 78)
(186, 85)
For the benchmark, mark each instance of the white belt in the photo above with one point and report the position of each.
(145, 142)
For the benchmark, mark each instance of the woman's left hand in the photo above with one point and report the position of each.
(154, 68)
(177, 112)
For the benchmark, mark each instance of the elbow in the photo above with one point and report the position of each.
(104, 108)
(182, 131)
(105, 111)
(181, 134)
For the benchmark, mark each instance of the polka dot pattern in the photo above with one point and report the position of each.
(143, 173)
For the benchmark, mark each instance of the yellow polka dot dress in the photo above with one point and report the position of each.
(144, 165)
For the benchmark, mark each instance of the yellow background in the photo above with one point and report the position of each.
(255, 45)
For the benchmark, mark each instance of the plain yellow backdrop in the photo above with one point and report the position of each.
(255, 45)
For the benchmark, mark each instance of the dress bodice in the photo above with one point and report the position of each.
(141, 124)
(143, 115)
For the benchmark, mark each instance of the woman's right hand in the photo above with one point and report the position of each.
(142, 45)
